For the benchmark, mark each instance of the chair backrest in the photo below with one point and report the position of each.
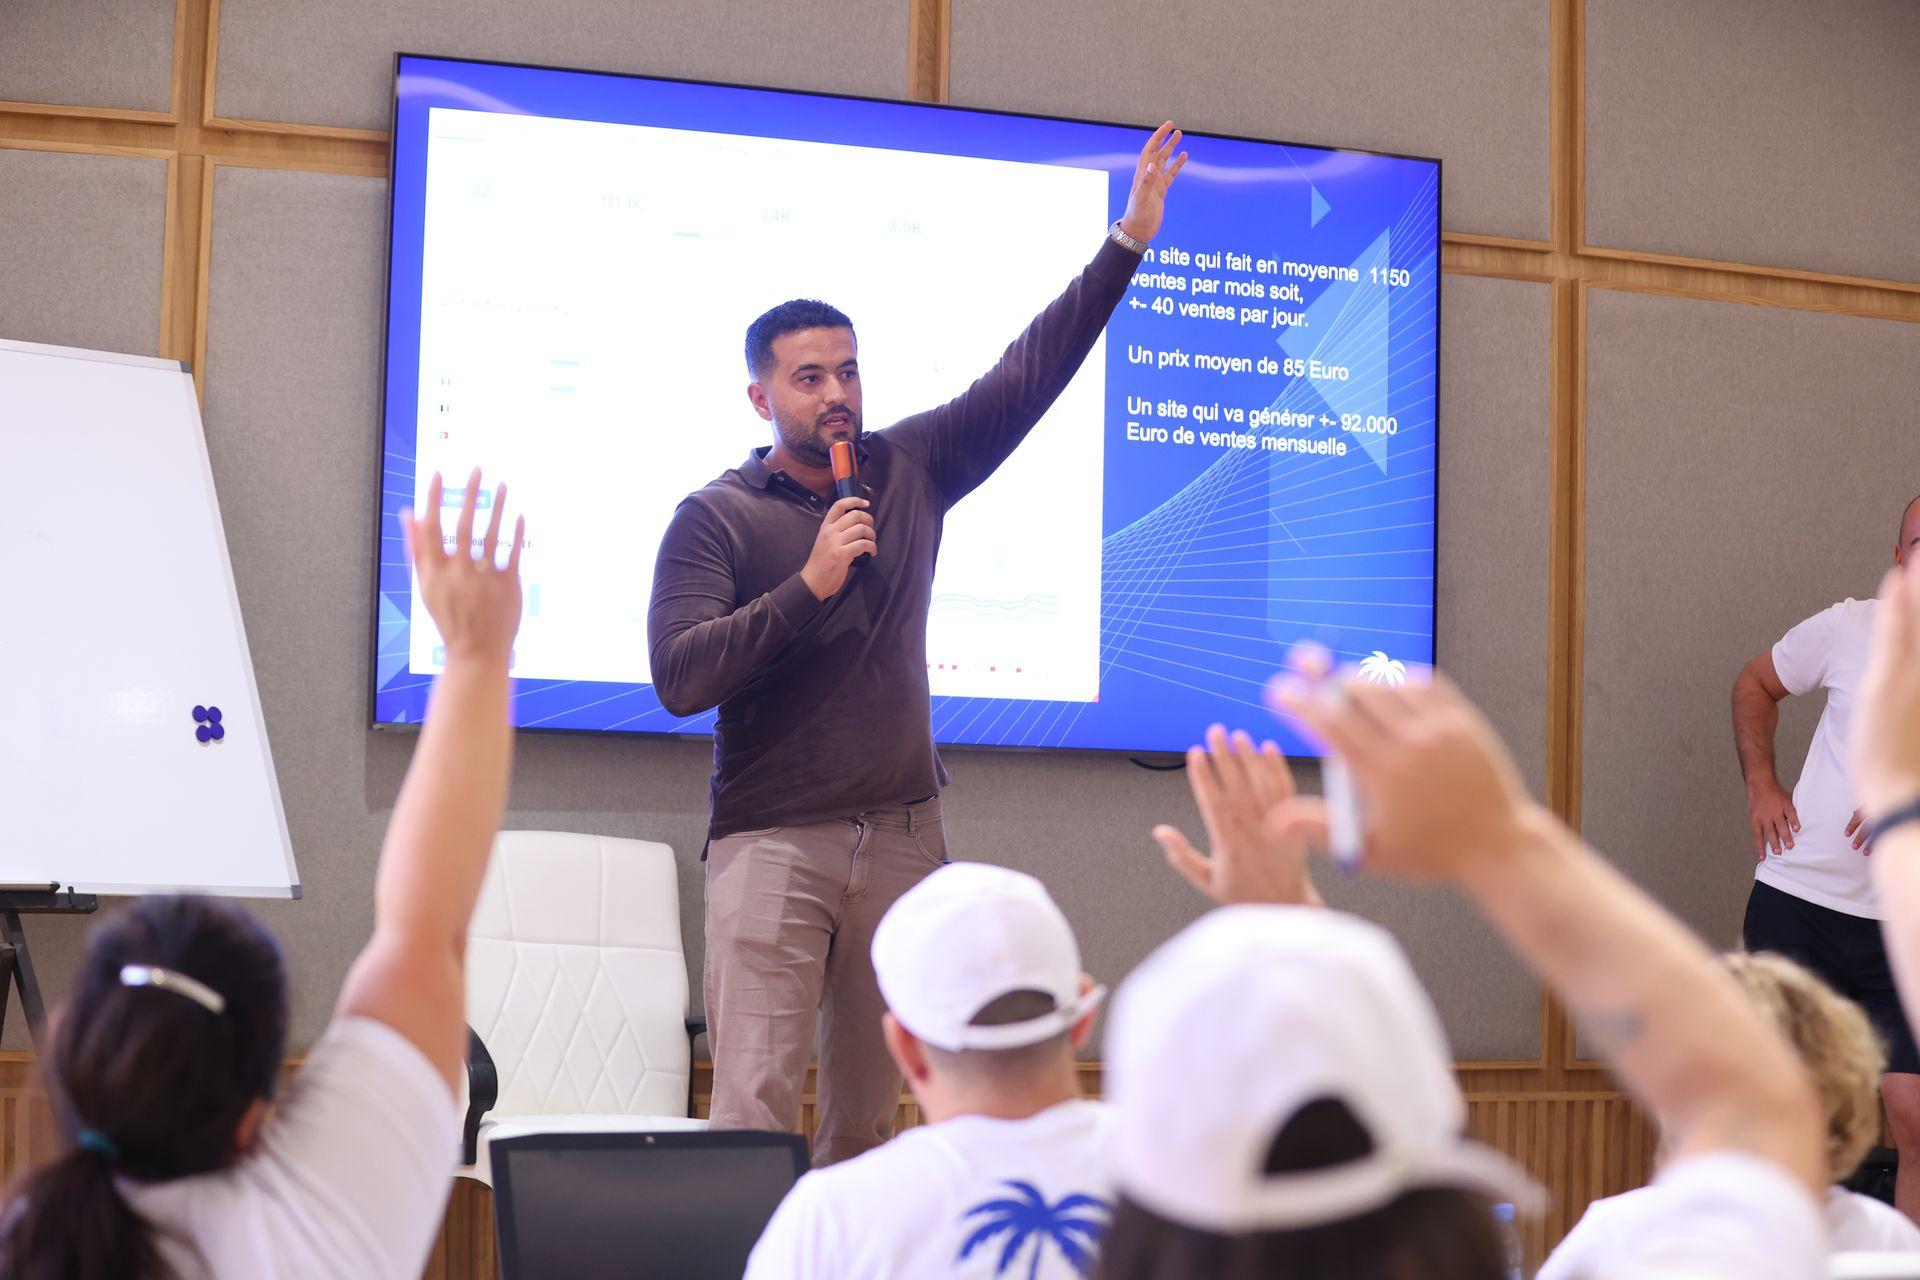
(576, 976)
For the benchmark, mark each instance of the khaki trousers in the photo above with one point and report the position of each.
(790, 917)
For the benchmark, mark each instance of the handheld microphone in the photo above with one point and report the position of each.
(846, 471)
(846, 481)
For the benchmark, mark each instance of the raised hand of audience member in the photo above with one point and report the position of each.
(1259, 828)
(1439, 787)
(412, 974)
(1886, 717)
(1886, 771)
(474, 602)
(1442, 800)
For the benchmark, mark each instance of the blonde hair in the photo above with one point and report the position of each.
(1833, 1037)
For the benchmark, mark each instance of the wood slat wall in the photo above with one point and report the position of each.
(1558, 1115)
(1581, 1144)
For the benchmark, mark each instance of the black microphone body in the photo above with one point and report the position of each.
(846, 482)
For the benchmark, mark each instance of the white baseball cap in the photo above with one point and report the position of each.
(1228, 1030)
(967, 935)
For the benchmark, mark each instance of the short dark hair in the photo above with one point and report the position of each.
(1437, 1233)
(790, 316)
(1006, 1064)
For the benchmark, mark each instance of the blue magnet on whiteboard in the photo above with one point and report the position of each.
(210, 729)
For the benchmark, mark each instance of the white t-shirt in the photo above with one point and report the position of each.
(971, 1197)
(1827, 651)
(349, 1179)
(1855, 1223)
(1722, 1216)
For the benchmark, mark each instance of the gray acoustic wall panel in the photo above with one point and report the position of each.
(1494, 521)
(292, 420)
(293, 365)
(1761, 131)
(1746, 467)
(333, 64)
(82, 238)
(100, 53)
(1465, 82)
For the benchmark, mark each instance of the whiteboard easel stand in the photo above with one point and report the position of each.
(16, 964)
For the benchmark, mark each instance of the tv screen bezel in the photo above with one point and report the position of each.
(386, 311)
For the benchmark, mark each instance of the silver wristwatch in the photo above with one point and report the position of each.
(1125, 241)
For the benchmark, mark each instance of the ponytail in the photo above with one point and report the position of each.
(175, 1029)
(68, 1221)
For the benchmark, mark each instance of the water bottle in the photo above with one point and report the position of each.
(1516, 1266)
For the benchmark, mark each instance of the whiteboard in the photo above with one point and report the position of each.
(121, 623)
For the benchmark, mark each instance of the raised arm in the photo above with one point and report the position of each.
(1259, 829)
(963, 441)
(1886, 771)
(412, 973)
(1757, 693)
(1444, 801)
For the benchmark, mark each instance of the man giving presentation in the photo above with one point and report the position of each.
(803, 618)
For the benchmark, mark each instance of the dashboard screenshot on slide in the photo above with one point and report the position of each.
(1245, 460)
(584, 293)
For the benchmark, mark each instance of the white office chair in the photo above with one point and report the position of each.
(576, 992)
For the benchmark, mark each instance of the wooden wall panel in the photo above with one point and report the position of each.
(1580, 1145)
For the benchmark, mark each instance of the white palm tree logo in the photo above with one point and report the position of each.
(1378, 668)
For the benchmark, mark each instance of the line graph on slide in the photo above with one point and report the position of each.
(1026, 606)
(1028, 646)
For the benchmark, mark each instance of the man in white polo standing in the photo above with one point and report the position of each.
(1813, 898)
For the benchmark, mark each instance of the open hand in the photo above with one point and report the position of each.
(475, 604)
(1258, 828)
(1155, 172)
(1886, 716)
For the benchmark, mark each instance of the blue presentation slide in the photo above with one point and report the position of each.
(1245, 461)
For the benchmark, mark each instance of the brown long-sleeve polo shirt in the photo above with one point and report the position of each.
(824, 708)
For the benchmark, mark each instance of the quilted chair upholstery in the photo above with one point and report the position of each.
(577, 988)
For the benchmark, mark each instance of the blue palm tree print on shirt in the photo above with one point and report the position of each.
(1074, 1226)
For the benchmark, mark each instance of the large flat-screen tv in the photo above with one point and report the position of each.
(1247, 459)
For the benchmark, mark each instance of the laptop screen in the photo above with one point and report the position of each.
(634, 1205)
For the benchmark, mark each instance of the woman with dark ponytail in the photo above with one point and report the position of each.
(179, 1162)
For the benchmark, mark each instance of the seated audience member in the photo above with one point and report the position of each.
(1838, 1044)
(1244, 1151)
(1285, 1106)
(179, 1161)
(986, 1004)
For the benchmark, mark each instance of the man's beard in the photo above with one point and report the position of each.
(803, 440)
